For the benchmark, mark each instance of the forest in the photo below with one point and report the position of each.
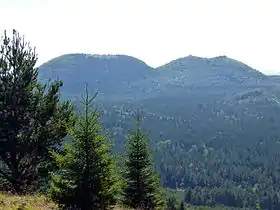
(142, 139)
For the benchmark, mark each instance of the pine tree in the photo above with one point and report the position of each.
(182, 206)
(143, 184)
(88, 175)
(188, 196)
(32, 121)
(171, 203)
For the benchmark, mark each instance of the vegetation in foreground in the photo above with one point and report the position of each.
(33, 121)
(142, 188)
(33, 126)
(82, 174)
(40, 202)
(27, 202)
(88, 176)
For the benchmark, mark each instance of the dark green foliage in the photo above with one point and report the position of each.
(32, 122)
(171, 203)
(174, 204)
(182, 206)
(143, 185)
(88, 175)
(188, 195)
(235, 197)
(215, 121)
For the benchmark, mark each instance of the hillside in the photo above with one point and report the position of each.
(213, 121)
(190, 89)
(216, 70)
(110, 75)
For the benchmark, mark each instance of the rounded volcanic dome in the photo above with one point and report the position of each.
(82, 57)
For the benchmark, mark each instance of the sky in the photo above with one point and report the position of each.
(155, 31)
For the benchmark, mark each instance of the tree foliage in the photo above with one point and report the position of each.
(32, 121)
(143, 185)
(88, 174)
(234, 162)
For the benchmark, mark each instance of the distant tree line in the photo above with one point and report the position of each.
(52, 147)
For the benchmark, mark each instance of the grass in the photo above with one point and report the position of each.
(40, 202)
(30, 202)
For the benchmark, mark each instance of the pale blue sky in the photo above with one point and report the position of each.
(156, 31)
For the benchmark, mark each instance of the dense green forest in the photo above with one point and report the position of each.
(214, 122)
(212, 126)
(81, 173)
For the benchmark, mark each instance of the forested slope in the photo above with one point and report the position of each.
(214, 121)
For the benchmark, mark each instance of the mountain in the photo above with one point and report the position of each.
(212, 119)
(187, 92)
(218, 70)
(109, 74)
(117, 76)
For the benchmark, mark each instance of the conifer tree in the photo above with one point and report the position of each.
(88, 175)
(188, 196)
(171, 203)
(142, 183)
(182, 206)
(32, 121)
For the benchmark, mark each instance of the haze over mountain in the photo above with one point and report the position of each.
(128, 76)
(245, 30)
(213, 122)
(212, 117)
(187, 92)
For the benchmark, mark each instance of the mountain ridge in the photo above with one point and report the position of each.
(108, 56)
(133, 78)
(192, 102)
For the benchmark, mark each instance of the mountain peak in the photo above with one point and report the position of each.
(78, 57)
(220, 69)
